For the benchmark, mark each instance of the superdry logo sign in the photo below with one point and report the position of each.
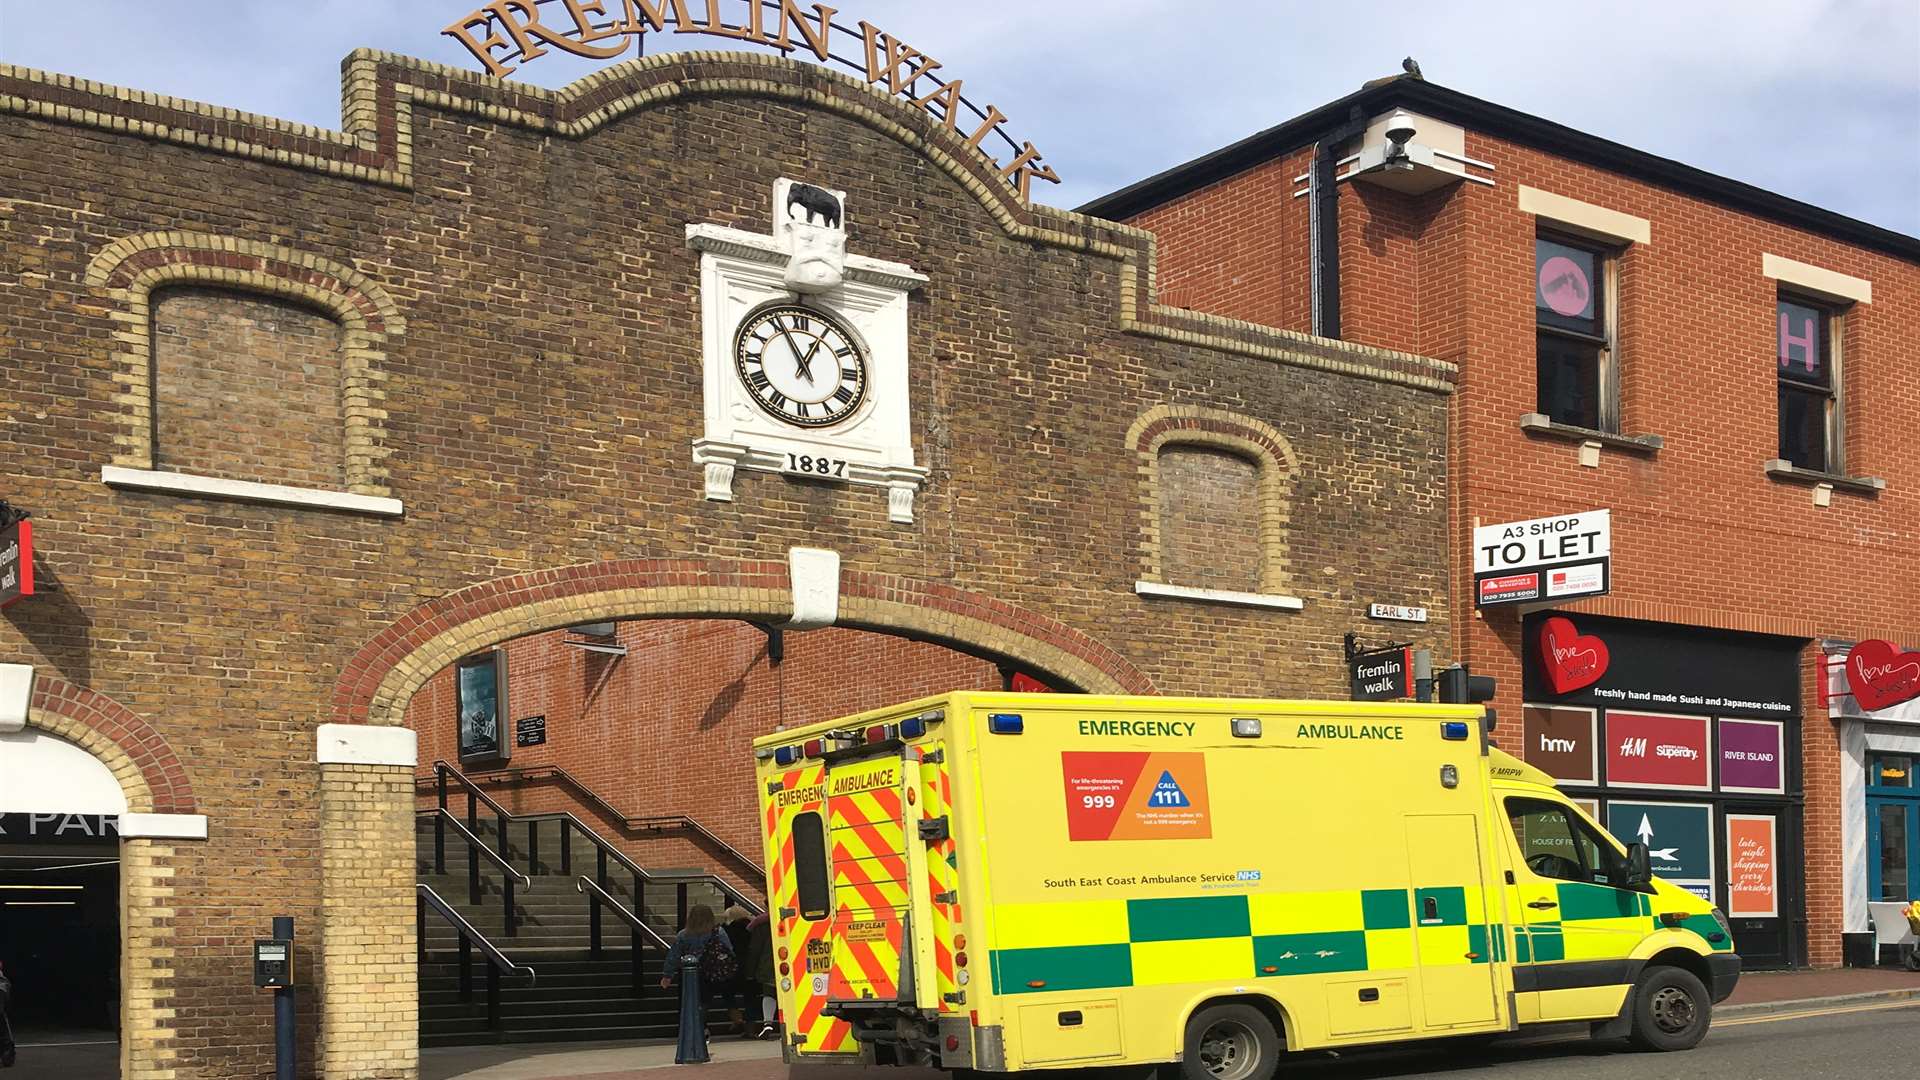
(1656, 751)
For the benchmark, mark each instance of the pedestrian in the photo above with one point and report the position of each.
(700, 954)
(6, 1026)
(743, 990)
(757, 964)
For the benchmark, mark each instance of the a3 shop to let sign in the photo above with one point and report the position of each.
(1554, 558)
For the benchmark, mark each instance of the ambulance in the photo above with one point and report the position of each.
(1006, 882)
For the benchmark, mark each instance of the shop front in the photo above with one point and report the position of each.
(1685, 739)
(1873, 698)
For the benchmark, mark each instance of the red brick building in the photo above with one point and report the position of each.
(1731, 373)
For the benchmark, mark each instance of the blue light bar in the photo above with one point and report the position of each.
(1456, 730)
(912, 728)
(785, 756)
(1006, 723)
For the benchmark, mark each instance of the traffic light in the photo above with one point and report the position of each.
(1459, 686)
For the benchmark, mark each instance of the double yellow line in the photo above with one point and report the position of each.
(1774, 1018)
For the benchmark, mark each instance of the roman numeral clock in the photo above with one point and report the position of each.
(804, 352)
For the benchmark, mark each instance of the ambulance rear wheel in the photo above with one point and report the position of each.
(1671, 1009)
(1230, 1042)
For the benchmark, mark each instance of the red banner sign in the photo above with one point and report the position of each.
(1881, 676)
(1651, 750)
(16, 561)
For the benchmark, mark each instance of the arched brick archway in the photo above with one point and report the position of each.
(148, 770)
(155, 782)
(377, 683)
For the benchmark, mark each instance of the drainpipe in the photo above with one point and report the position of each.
(1324, 224)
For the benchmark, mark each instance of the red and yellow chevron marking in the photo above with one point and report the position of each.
(867, 835)
(808, 946)
(936, 799)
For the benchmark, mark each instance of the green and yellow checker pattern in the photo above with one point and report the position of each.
(1101, 944)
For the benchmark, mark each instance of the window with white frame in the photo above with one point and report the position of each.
(1808, 380)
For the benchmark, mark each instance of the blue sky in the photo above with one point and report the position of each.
(1817, 101)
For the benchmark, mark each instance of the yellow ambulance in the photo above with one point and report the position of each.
(1002, 882)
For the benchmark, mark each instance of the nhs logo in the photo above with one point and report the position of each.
(1247, 875)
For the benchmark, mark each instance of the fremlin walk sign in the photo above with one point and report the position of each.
(508, 32)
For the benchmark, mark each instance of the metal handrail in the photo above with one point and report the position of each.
(652, 823)
(569, 822)
(470, 939)
(441, 770)
(509, 921)
(586, 885)
(499, 860)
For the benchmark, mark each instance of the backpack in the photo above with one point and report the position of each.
(717, 963)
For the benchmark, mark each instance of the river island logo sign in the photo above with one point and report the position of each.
(508, 32)
(1572, 660)
(1881, 676)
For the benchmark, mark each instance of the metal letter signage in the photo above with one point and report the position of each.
(16, 561)
(1880, 675)
(508, 32)
(1545, 559)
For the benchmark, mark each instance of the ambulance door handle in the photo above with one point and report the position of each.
(1542, 905)
(1371, 993)
(1071, 1019)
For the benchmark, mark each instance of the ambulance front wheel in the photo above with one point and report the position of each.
(1230, 1042)
(1671, 1009)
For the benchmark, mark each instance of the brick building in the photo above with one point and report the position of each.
(1731, 373)
(303, 417)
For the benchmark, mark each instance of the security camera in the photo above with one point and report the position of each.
(1399, 130)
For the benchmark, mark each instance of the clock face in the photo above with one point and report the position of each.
(801, 365)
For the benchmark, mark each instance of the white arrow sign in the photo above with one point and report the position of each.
(1646, 837)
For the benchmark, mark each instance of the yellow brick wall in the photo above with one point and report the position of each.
(369, 1009)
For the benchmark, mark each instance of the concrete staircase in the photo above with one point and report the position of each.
(574, 995)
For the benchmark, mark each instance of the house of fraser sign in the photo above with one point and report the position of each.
(505, 33)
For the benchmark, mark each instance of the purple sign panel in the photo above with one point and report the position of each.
(1752, 757)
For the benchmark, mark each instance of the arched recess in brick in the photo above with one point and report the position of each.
(382, 677)
(148, 770)
(155, 782)
(1244, 436)
(130, 269)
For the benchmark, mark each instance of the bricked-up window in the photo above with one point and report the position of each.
(247, 387)
(1209, 518)
(1574, 333)
(1808, 385)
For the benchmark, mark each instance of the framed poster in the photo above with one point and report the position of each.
(1753, 756)
(1679, 839)
(1753, 870)
(1658, 750)
(1560, 741)
(479, 701)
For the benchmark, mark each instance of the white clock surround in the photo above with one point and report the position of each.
(742, 271)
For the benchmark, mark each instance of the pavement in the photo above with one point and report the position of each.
(1802, 999)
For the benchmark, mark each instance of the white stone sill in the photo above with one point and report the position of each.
(209, 487)
(1219, 596)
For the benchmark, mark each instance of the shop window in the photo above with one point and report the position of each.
(1891, 771)
(1573, 306)
(1808, 385)
(247, 386)
(1209, 523)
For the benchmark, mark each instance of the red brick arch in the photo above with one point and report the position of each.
(377, 683)
(84, 716)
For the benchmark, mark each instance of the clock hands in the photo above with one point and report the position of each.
(802, 365)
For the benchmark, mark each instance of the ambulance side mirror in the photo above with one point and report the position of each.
(1639, 866)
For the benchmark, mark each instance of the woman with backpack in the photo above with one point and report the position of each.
(701, 956)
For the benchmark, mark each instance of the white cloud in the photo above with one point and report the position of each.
(1816, 101)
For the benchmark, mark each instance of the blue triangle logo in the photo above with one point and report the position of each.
(1167, 792)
